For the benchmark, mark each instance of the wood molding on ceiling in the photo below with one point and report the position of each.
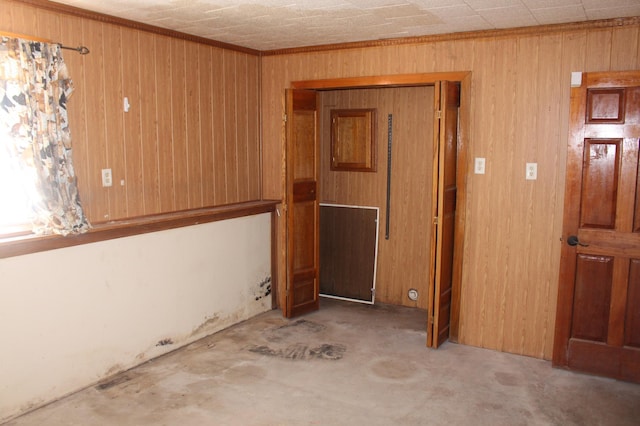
(109, 19)
(507, 32)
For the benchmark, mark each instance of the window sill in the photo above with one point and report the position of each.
(25, 244)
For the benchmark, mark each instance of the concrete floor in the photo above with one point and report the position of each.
(348, 364)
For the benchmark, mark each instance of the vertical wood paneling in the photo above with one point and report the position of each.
(242, 136)
(230, 121)
(93, 81)
(192, 111)
(516, 230)
(163, 73)
(149, 123)
(219, 143)
(253, 130)
(179, 121)
(206, 125)
(546, 219)
(624, 46)
(134, 181)
(598, 54)
(114, 125)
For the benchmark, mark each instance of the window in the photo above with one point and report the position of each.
(37, 181)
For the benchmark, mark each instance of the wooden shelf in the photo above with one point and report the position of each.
(25, 244)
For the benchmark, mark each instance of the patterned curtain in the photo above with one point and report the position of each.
(34, 89)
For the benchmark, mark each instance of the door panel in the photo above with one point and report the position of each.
(598, 302)
(632, 320)
(445, 193)
(592, 298)
(302, 204)
(600, 183)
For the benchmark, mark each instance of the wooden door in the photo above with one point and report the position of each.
(447, 99)
(598, 313)
(302, 203)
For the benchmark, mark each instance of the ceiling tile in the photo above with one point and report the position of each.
(274, 24)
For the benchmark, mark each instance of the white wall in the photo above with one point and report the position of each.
(73, 316)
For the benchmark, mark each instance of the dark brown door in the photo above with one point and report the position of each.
(598, 313)
(302, 203)
(447, 95)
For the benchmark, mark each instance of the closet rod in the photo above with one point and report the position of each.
(80, 49)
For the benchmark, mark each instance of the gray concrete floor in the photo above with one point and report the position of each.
(347, 364)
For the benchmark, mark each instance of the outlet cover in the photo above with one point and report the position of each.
(107, 178)
(532, 171)
(479, 166)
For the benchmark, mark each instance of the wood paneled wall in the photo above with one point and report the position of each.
(519, 107)
(191, 137)
(403, 259)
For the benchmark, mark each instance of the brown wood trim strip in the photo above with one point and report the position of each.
(23, 36)
(22, 245)
(508, 32)
(381, 80)
(109, 19)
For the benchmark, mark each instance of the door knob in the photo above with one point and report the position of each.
(574, 241)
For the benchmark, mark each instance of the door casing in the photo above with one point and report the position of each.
(408, 80)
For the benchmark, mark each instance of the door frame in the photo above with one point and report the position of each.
(426, 79)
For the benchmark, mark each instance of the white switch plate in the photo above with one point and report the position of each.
(107, 178)
(479, 166)
(532, 171)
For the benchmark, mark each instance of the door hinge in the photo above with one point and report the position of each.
(439, 114)
(435, 220)
(284, 117)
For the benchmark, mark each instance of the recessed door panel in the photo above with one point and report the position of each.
(592, 298)
(600, 183)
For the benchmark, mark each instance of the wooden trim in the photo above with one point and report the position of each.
(274, 260)
(18, 246)
(380, 80)
(109, 19)
(24, 37)
(464, 117)
(509, 32)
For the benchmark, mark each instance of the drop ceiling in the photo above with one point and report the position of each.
(279, 24)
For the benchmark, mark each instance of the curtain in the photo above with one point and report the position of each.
(34, 90)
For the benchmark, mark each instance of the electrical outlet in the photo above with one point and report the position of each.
(479, 166)
(532, 171)
(107, 178)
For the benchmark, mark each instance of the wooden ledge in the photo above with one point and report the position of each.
(17, 246)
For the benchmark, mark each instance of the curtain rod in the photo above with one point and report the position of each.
(80, 49)
(83, 50)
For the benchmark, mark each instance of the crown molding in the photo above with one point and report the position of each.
(508, 32)
(109, 19)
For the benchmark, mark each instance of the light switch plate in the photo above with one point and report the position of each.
(479, 166)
